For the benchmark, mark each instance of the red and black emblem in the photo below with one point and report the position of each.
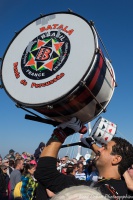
(45, 55)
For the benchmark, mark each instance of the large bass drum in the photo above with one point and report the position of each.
(55, 66)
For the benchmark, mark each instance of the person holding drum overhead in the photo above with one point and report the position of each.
(112, 160)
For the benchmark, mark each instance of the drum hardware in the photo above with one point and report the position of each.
(91, 23)
(19, 106)
(83, 83)
(98, 50)
(36, 117)
(41, 15)
(69, 10)
(49, 107)
(102, 43)
(16, 32)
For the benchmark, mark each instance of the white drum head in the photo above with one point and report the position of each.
(48, 58)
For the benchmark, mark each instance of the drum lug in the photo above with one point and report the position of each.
(83, 83)
(1, 86)
(49, 107)
(16, 32)
(41, 15)
(69, 10)
(97, 50)
(91, 23)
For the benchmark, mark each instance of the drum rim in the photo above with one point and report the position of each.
(53, 102)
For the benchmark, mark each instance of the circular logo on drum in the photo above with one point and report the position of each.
(45, 55)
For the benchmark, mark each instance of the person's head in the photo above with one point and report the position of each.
(19, 164)
(71, 169)
(116, 155)
(63, 161)
(82, 159)
(5, 162)
(11, 151)
(17, 155)
(41, 145)
(29, 169)
(67, 158)
(79, 193)
(27, 160)
(80, 167)
(4, 169)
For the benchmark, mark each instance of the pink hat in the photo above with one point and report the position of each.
(33, 162)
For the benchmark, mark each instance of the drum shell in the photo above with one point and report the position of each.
(80, 103)
(103, 131)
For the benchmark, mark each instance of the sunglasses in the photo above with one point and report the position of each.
(62, 160)
(5, 168)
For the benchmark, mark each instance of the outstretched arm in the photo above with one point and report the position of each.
(46, 173)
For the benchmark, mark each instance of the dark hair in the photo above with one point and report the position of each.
(70, 168)
(11, 163)
(81, 157)
(125, 150)
(17, 161)
(26, 168)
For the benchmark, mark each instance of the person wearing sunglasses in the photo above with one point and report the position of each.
(4, 180)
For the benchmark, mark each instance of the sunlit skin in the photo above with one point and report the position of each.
(106, 163)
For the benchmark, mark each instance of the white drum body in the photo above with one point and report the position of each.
(103, 130)
(54, 65)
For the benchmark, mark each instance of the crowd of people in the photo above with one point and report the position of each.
(17, 171)
(17, 179)
(108, 175)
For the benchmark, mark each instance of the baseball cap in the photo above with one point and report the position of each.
(33, 162)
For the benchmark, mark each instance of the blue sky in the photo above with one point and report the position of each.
(113, 20)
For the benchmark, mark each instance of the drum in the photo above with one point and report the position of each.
(55, 66)
(103, 130)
